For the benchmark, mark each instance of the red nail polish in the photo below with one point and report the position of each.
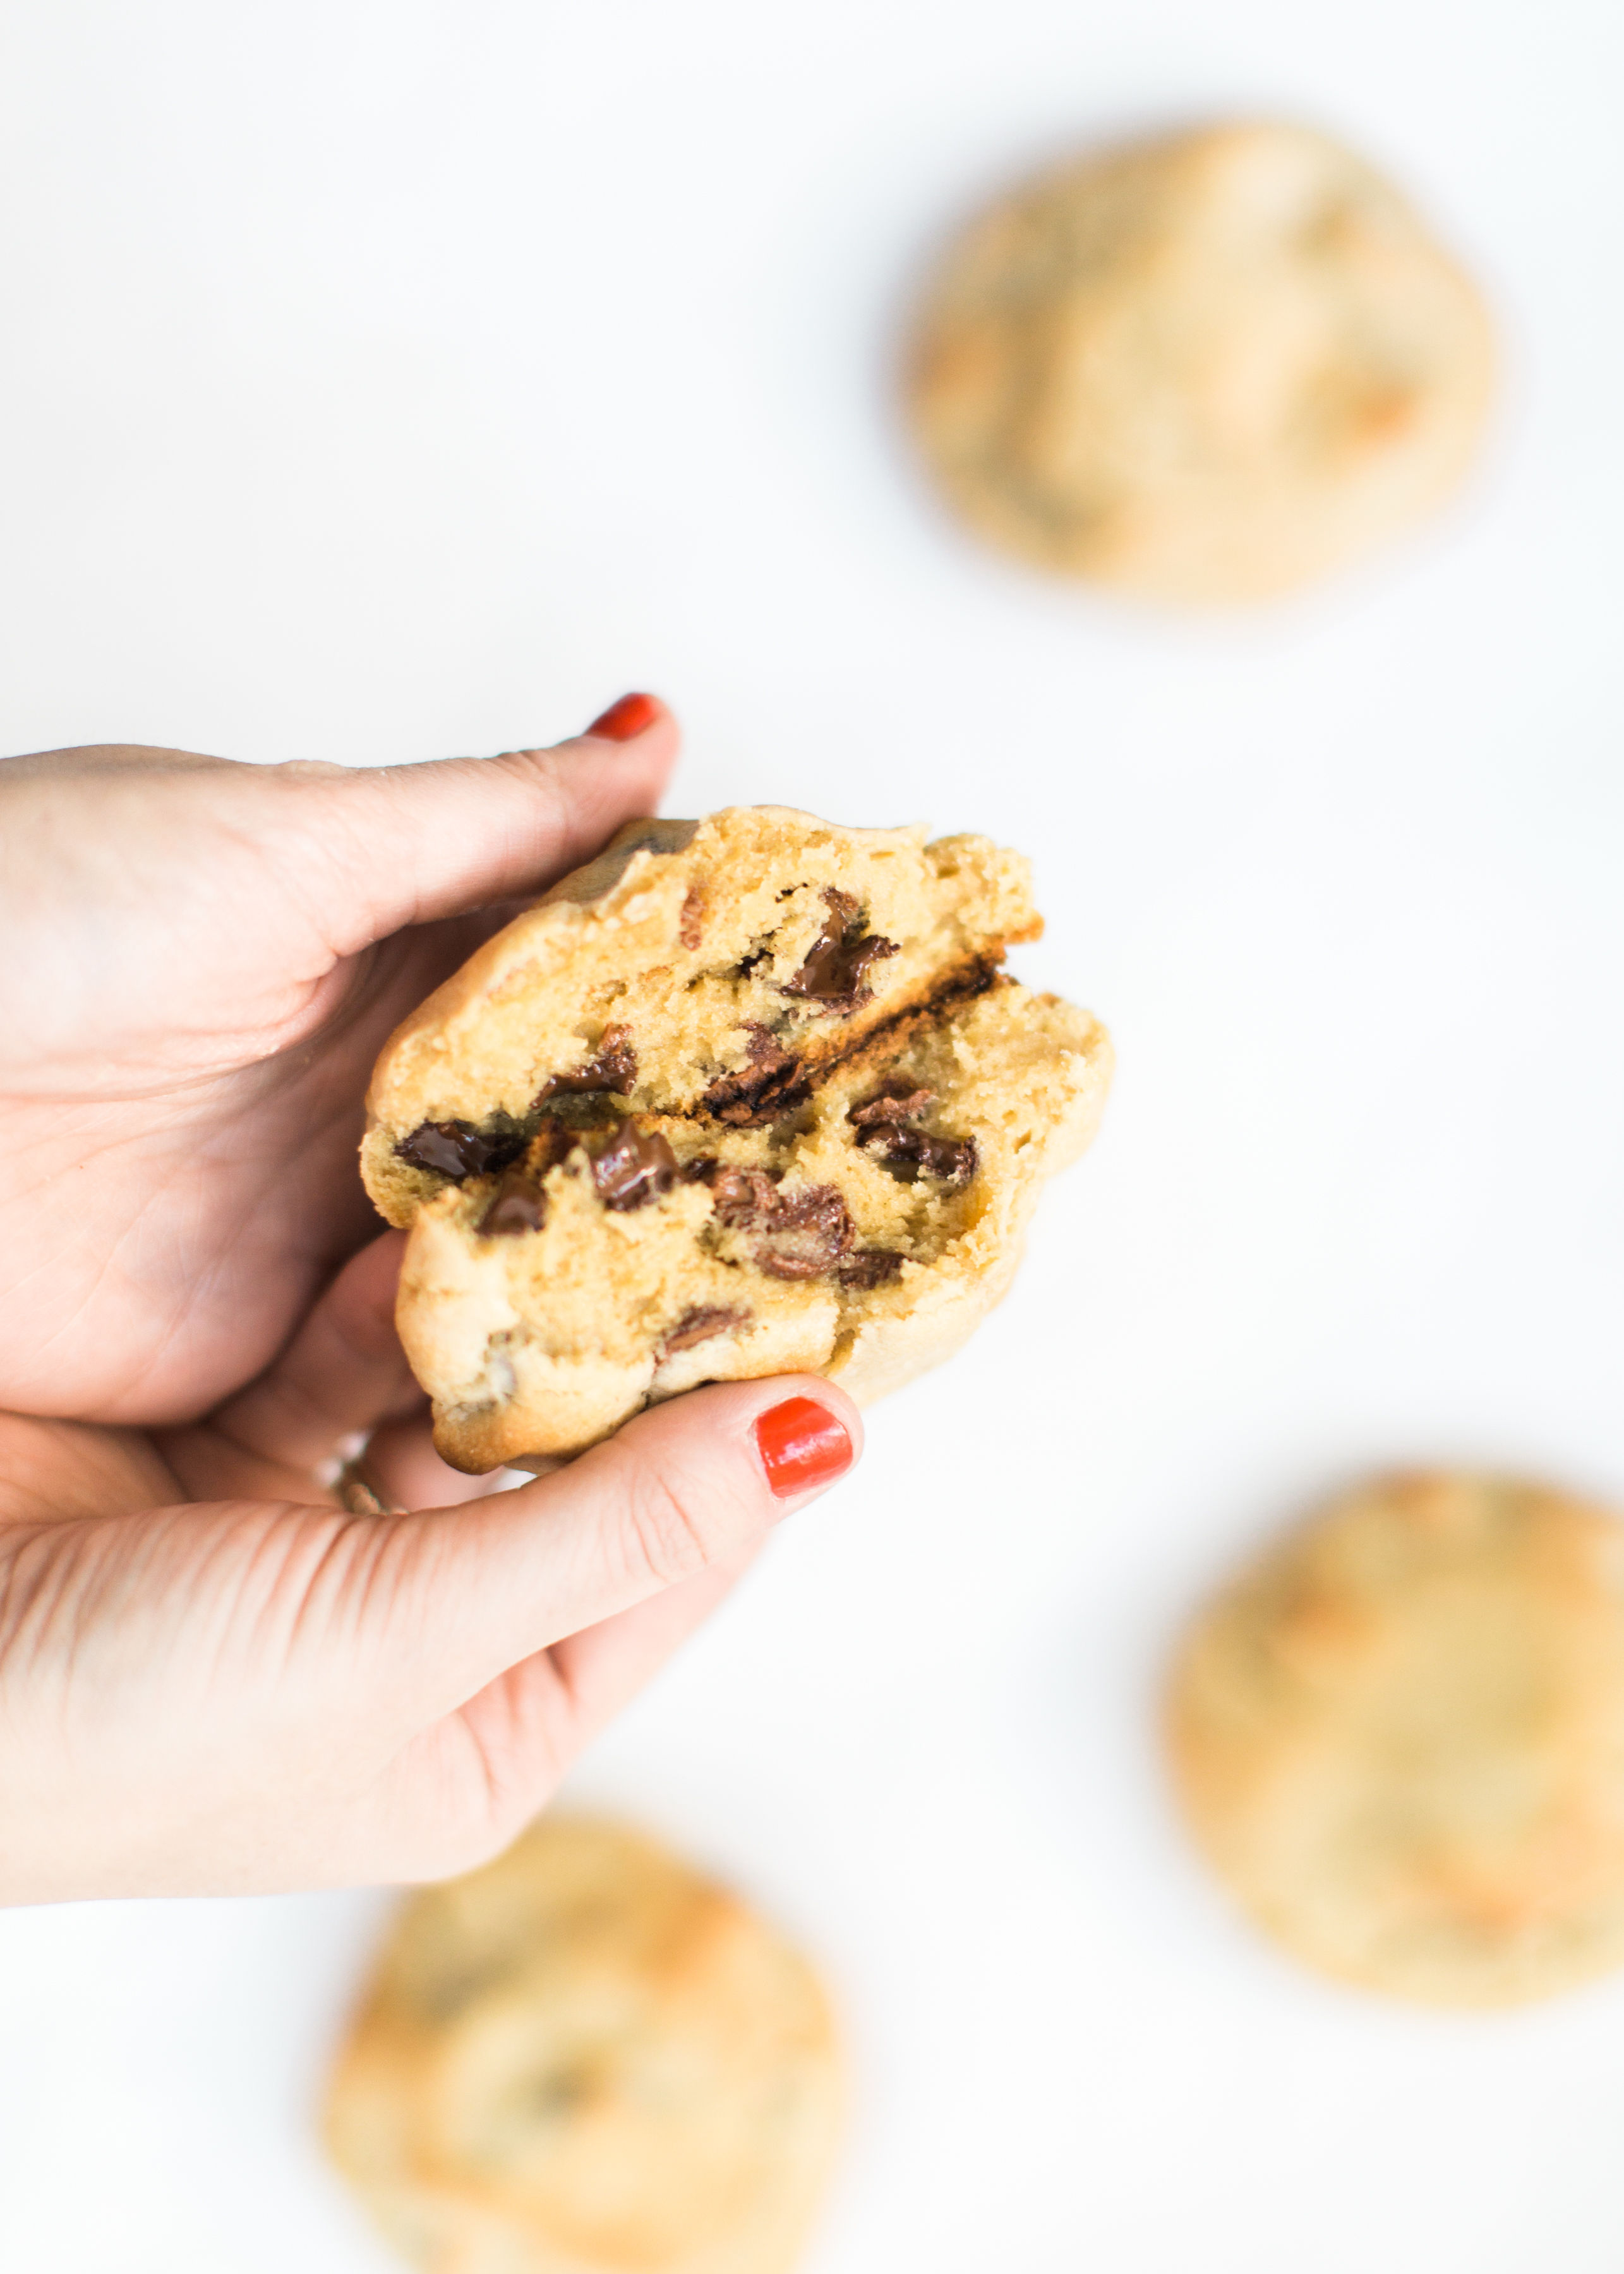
(625, 721)
(801, 1445)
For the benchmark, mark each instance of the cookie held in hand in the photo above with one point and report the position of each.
(586, 2056)
(746, 1096)
(1203, 368)
(1399, 1737)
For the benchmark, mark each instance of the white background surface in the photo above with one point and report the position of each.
(380, 381)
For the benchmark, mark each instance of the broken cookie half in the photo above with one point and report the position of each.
(748, 1096)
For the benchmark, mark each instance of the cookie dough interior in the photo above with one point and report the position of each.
(752, 1096)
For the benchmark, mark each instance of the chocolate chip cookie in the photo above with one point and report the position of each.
(1203, 368)
(1399, 1739)
(586, 2057)
(748, 1095)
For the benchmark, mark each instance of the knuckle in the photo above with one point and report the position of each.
(667, 1533)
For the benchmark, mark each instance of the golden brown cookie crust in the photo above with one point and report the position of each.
(844, 1111)
(1203, 368)
(585, 2058)
(1399, 1737)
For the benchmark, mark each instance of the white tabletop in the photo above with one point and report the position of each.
(383, 378)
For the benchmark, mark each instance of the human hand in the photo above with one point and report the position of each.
(212, 1683)
(212, 1677)
(198, 962)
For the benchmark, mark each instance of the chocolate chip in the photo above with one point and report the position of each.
(697, 1327)
(883, 1125)
(634, 1168)
(613, 1066)
(910, 1154)
(742, 1198)
(519, 1205)
(797, 1235)
(834, 974)
(806, 1235)
(894, 1104)
(457, 1148)
(869, 1267)
(690, 923)
(771, 1085)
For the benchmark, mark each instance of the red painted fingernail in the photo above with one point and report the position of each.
(801, 1445)
(625, 721)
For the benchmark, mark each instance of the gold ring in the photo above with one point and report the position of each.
(359, 1495)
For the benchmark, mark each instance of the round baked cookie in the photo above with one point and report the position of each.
(1203, 368)
(746, 1097)
(1399, 1739)
(585, 2059)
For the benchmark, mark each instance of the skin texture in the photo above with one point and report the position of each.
(212, 1678)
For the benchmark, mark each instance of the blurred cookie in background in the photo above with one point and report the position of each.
(1202, 369)
(1399, 1737)
(586, 2057)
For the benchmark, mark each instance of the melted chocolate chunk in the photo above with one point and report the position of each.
(519, 1205)
(697, 1327)
(634, 1168)
(770, 1086)
(742, 1198)
(834, 974)
(910, 1154)
(797, 1235)
(613, 1067)
(690, 923)
(893, 1104)
(869, 1267)
(806, 1235)
(457, 1148)
(882, 1124)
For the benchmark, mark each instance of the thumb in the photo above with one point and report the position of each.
(684, 1488)
(407, 845)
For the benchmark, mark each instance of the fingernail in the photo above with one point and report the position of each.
(626, 719)
(801, 1445)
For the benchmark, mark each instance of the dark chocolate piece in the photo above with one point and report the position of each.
(894, 1104)
(869, 1267)
(519, 1205)
(834, 974)
(697, 1327)
(882, 1124)
(457, 1148)
(613, 1067)
(690, 923)
(910, 1154)
(742, 1198)
(798, 1235)
(634, 1168)
(771, 1085)
(806, 1235)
